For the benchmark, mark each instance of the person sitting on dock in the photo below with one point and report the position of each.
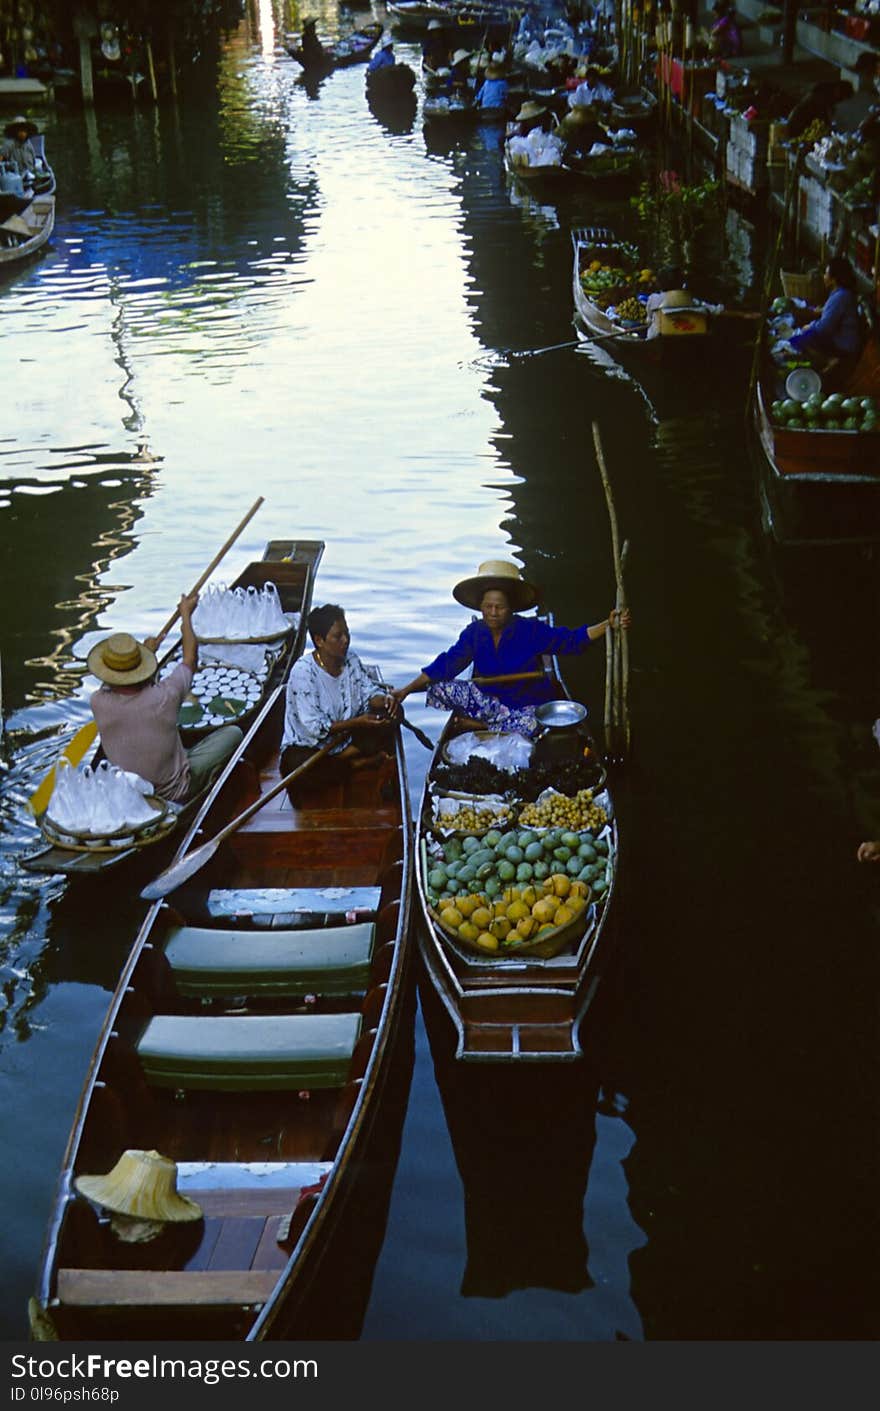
(137, 714)
(501, 643)
(331, 696)
(725, 36)
(383, 57)
(834, 339)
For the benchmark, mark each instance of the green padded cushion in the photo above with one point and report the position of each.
(329, 961)
(249, 1052)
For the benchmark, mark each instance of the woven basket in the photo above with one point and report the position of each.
(803, 286)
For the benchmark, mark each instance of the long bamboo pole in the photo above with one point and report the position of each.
(618, 659)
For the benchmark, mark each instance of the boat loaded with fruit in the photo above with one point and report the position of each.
(611, 289)
(516, 870)
(806, 431)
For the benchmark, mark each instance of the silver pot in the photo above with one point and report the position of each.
(562, 731)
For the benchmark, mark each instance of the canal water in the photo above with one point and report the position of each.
(284, 293)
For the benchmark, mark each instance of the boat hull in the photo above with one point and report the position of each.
(269, 1137)
(513, 1010)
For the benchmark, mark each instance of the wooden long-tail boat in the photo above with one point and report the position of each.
(355, 48)
(819, 484)
(522, 1004)
(682, 330)
(249, 1041)
(291, 565)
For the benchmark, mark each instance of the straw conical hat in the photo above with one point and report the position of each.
(677, 299)
(121, 661)
(142, 1184)
(530, 110)
(496, 573)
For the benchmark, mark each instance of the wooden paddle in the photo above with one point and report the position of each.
(84, 738)
(181, 871)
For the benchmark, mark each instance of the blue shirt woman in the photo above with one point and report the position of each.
(501, 643)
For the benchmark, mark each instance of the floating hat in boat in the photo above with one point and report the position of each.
(121, 661)
(530, 110)
(15, 126)
(499, 574)
(802, 382)
(142, 1185)
(460, 55)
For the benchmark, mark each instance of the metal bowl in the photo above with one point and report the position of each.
(560, 715)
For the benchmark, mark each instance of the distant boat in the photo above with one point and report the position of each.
(356, 48)
(25, 231)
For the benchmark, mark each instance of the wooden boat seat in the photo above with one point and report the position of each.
(145, 1288)
(328, 961)
(248, 1053)
(288, 907)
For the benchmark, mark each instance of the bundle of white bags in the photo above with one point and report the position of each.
(99, 800)
(537, 149)
(239, 614)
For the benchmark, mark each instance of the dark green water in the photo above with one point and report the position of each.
(289, 297)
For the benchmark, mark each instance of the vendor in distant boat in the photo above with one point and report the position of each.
(493, 92)
(17, 151)
(435, 49)
(383, 57)
(594, 90)
(331, 696)
(580, 129)
(530, 116)
(460, 75)
(137, 714)
(313, 51)
(835, 337)
(500, 643)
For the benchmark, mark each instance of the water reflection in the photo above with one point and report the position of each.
(540, 1153)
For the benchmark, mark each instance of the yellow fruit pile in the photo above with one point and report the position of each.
(471, 819)
(559, 811)
(631, 311)
(519, 915)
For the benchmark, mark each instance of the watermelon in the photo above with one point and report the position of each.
(832, 425)
(851, 424)
(831, 406)
(851, 406)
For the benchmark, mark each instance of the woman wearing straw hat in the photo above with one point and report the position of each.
(530, 116)
(137, 715)
(500, 643)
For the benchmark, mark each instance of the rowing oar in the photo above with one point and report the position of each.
(82, 741)
(181, 871)
(420, 735)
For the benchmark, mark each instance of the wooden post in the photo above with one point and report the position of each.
(85, 28)
(172, 62)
